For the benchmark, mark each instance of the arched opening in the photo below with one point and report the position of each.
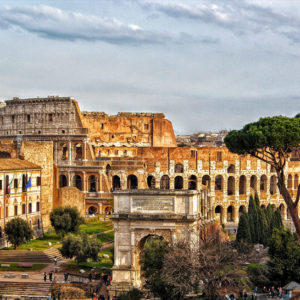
(219, 183)
(282, 210)
(263, 183)
(108, 211)
(230, 213)
(206, 180)
(231, 185)
(92, 210)
(165, 182)
(107, 169)
(192, 183)
(65, 153)
(178, 168)
(78, 151)
(23, 209)
(290, 182)
(178, 183)
(63, 181)
(272, 169)
(151, 182)
(242, 209)
(116, 182)
(132, 182)
(231, 169)
(242, 185)
(39, 224)
(273, 182)
(253, 182)
(4, 154)
(296, 182)
(92, 183)
(263, 206)
(78, 182)
(219, 211)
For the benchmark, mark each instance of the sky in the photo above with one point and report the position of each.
(207, 65)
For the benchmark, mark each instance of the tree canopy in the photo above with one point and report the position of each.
(18, 231)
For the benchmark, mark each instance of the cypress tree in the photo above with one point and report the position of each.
(256, 198)
(252, 216)
(243, 231)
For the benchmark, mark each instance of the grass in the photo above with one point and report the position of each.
(106, 263)
(106, 237)
(95, 227)
(14, 267)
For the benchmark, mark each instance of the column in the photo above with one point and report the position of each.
(70, 152)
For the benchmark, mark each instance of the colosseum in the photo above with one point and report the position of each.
(99, 153)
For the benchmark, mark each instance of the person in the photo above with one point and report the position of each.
(45, 276)
(273, 292)
(66, 275)
(90, 277)
(265, 291)
(101, 297)
(280, 292)
(55, 260)
(94, 296)
(50, 276)
(232, 297)
(49, 297)
(255, 290)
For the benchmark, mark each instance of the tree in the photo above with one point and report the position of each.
(18, 231)
(81, 247)
(65, 220)
(271, 140)
(243, 230)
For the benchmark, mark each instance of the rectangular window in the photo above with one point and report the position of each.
(38, 181)
(101, 126)
(16, 210)
(193, 153)
(15, 183)
(38, 206)
(23, 209)
(125, 152)
(28, 118)
(13, 119)
(219, 156)
(30, 208)
(146, 126)
(1, 185)
(50, 117)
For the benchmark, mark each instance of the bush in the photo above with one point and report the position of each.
(133, 294)
(69, 292)
(258, 274)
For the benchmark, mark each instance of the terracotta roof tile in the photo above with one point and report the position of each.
(16, 164)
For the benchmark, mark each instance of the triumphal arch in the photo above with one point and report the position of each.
(169, 214)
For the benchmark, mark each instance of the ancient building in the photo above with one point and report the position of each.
(98, 153)
(20, 194)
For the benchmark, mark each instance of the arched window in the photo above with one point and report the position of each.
(242, 185)
(23, 209)
(92, 210)
(219, 183)
(151, 182)
(78, 151)
(132, 182)
(192, 182)
(219, 211)
(231, 169)
(107, 170)
(178, 183)
(38, 206)
(273, 182)
(178, 168)
(92, 183)
(230, 213)
(206, 180)
(165, 182)
(231, 185)
(296, 181)
(272, 169)
(263, 183)
(78, 182)
(63, 180)
(16, 210)
(65, 153)
(290, 182)
(116, 182)
(253, 182)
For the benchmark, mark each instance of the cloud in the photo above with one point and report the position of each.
(239, 16)
(54, 23)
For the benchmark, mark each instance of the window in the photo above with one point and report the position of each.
(15, 183)
(6, 211)
(219, 156)
(50, 117)
(39, 132)
(116, 152)
(28, 118)
(125, 152)
(0, 184)
(63, 131)
(193, 153)
(38, 206)
(38, 181)
(16, 210)
(13, 119)
(146, 126)
(23, 209)
(101, 126)
(30, 208)
(20, 132)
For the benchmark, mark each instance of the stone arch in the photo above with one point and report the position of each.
(4, 154)
(230, 213)
(132, 182)
(282, 210)
(63, 181)
(253, 182)
(192, 183)
(219, 183)
(179, 168)
(219, 210)
(273, 183)
(206, 180)
(263, 183)
(151, 182)
(178, 183)
(78, 182)
(92, 210)
(92, 183)
(64, 152)
(107, 169)
(231, 185)
(78, 151)
(231, 168)
(242, 185)
(165, 182)
(290, 182)
(296, 181)
(116, 182)
(242, 209)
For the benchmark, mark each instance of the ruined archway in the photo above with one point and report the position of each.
(263, 183)
(78, 182)
(206, 180)
(178, 183)
(231, 168)
(219, 211)
(230, 213)
(192, 183)
(63, 181)
(151, 182)
(219, 183)
(92, 210)
(253, 182)
(273, 184)
(92, 184)
(116, 182)
(165, 182)
(132, 182)
(231, 185)
(242, 185)
(78, 152)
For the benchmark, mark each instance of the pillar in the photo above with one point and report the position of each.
(70, 152)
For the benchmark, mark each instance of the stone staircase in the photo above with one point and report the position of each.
(52, 252)
(24, 256)
(24, 288)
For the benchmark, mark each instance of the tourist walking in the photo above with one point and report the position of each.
(55, 260)
(66, 275)
(50, 276)
(45, 276)
(280, 292)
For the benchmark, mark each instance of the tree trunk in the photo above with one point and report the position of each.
(290, 205)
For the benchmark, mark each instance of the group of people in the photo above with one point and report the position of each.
(273, 292)
(50, 276)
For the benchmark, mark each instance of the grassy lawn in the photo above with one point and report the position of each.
(14, 267)
(41, 244)
(95, 227)
(106, 237)
(103, 263)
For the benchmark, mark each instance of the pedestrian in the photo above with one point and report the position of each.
(255, 290)
(66, 275)
(45, 276)
(55, 260)
(280, 292)
(273, 291)
(265, 291)
(94, 296)
(50, 276)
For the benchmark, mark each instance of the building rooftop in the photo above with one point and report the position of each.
(16, 164)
